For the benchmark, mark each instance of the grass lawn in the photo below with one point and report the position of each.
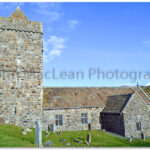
(11, 136)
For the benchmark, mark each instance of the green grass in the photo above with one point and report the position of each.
(11, 136)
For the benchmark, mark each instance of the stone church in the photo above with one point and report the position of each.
(24, 100)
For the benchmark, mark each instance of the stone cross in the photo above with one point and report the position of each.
(89, 138)
(38, 134)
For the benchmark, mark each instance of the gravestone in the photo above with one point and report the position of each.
(62, 141)
(89, 127)
(89, 138)
(130, 140)
(143, 136)
(60, 132)
(38, 134)
(47, 133)
(48, 143)
(49, 127)
(52, 127)
(67, 144)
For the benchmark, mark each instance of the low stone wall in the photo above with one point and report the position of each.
(72, 118)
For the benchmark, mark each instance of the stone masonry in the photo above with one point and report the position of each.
(127, 115)
(72, 118)
(21, 91)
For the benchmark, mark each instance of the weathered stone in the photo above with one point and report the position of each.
(48, 143)
(62, 141)
(67, 144)
(143, 136)
(89, 126)
(132, 119)
(47, 133)
(28, 130)
(72, 119)
(38, 134)
(52, 127)
(86, 142)
(24, 132)
(89, 138)
(21, 49)
(131, 138)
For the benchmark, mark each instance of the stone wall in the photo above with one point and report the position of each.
(72, 118)
(21, 90)
(113, 122)
(137, 111)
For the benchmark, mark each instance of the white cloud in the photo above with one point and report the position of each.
(73, 23)
(148, 84)
(56, 42)
(53, 47)
(146, 43)
(54, 53)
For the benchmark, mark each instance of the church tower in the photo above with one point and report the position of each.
(21, 54)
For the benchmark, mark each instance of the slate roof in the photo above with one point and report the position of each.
(116, 103)
(56, 98)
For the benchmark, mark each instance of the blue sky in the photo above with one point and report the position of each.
(87, 36)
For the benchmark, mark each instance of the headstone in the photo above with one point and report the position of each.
(74, 140)
(24, 132)
(68, 144)
(89, 138)
(143, 136)
(89, 127)
(38, 134)
(59, 132)
(62, 141)
(28, 130)
(52, 127)
(48, 143)
(79, 141)
(49, 127)
(47, 133)
(86, 142)
(130, 140)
